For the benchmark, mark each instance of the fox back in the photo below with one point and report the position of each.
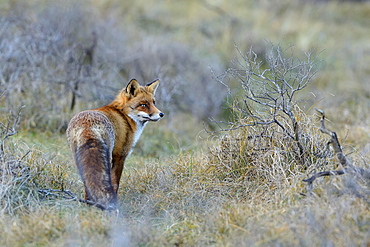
(101, 139)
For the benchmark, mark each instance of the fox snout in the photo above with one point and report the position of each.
(156, 117)
(161, 114)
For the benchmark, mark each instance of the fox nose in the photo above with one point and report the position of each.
(161, 114)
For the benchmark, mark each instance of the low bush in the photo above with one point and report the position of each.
(270, 143)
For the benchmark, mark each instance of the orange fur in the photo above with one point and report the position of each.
(101, 139)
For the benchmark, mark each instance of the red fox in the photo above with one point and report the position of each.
(101, 139)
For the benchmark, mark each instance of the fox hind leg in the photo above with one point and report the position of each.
(117, 167)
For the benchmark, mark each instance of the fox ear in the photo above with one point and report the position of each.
(152, 87)
(132, 88)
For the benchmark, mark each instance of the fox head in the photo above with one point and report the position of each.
(138, 101)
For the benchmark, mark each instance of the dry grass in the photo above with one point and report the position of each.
(182, 186)
(232, 194)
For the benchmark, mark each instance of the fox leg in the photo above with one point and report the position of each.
(93, 161)
(117, 167)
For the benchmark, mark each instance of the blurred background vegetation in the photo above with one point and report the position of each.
(63, 57)
(181, 185)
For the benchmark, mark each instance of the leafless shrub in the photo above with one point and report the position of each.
(44, 61)
(53, 59)
(270, 142)
(269, 137)
(15, 177)
(25, 172)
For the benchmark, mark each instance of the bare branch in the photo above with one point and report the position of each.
(334, 142)
(68, 195)
(322, 174)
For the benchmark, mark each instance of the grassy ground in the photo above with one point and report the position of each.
(183, 199)
(183, 186)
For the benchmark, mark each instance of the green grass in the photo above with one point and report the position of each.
(183, 186)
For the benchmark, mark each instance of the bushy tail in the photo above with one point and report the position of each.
(93, 162)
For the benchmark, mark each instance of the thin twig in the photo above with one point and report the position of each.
(68, 195)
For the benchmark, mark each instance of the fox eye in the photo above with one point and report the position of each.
(144, 105)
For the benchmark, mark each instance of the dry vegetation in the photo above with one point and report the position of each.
(240, 181)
